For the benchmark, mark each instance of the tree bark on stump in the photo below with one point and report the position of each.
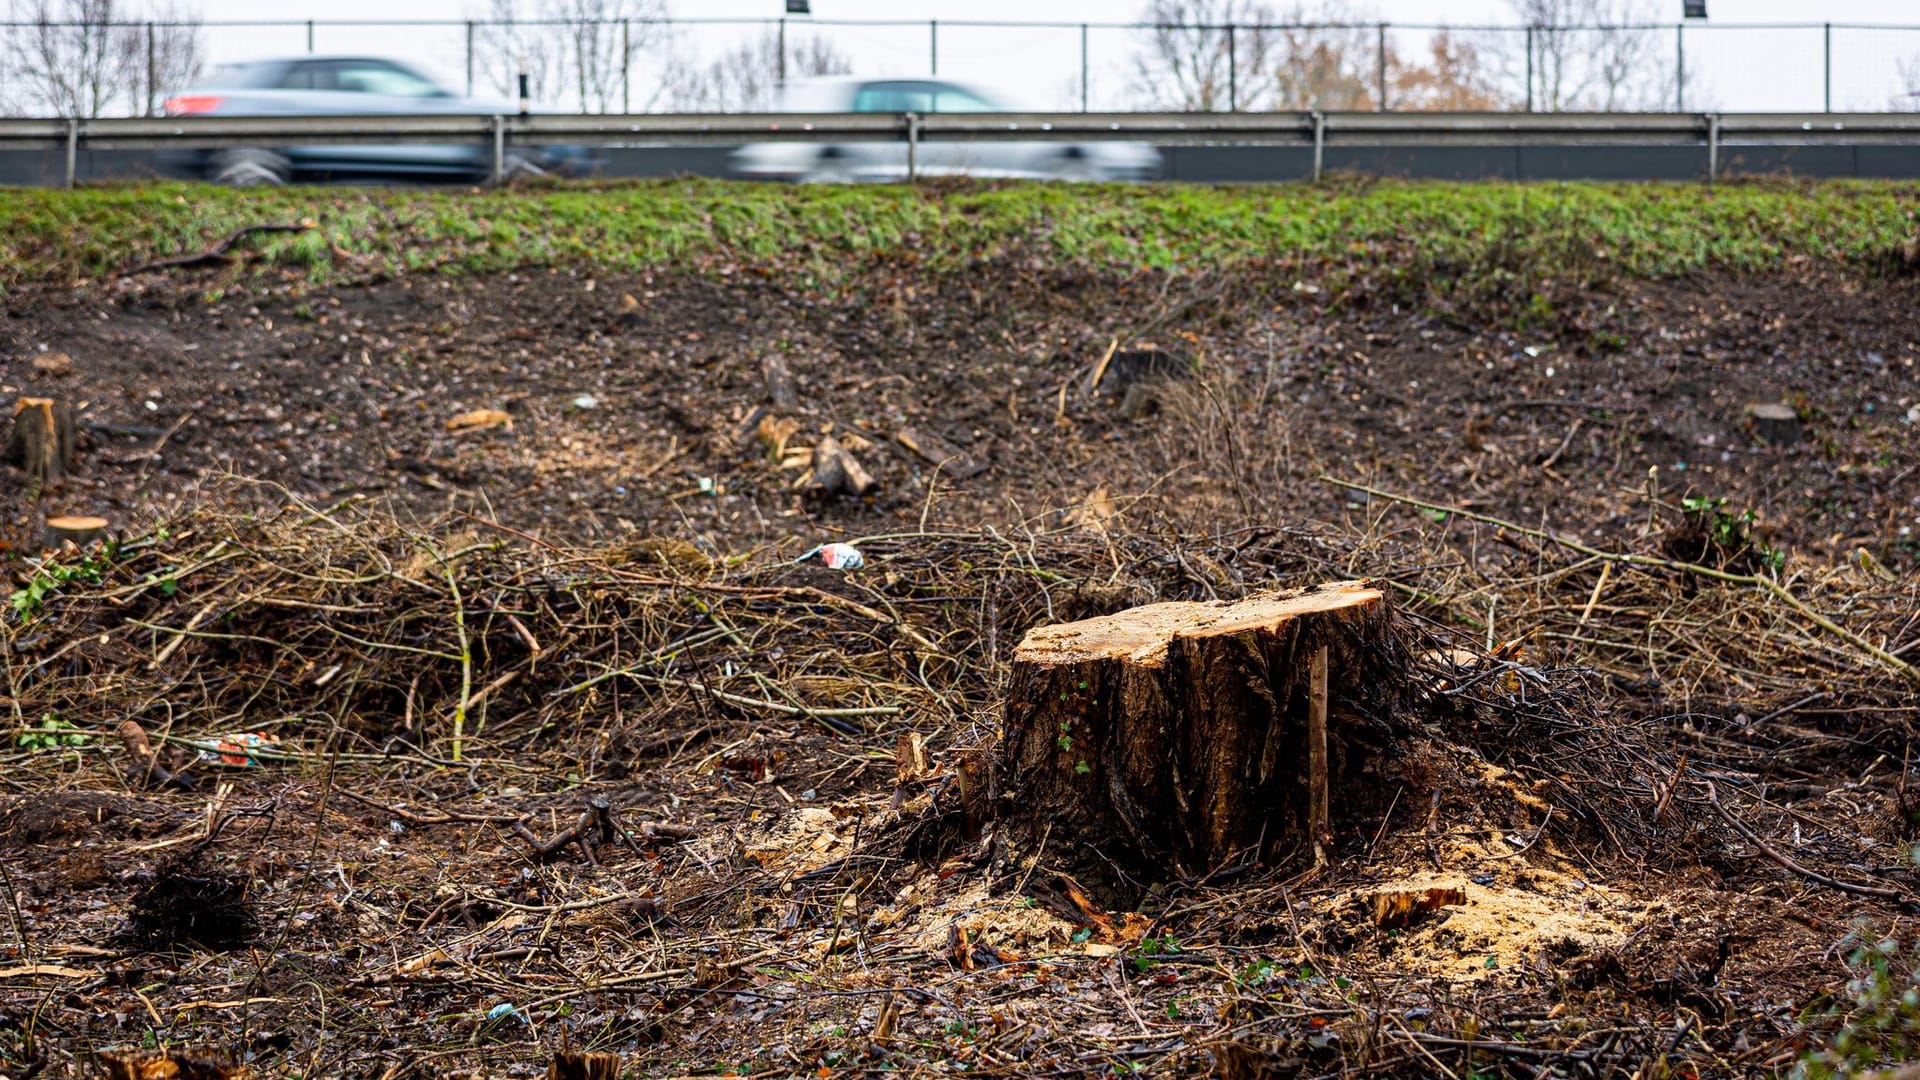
(42, 439)
(1176, 737)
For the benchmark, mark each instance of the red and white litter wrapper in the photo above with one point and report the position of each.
(836, 556)
(236, 751)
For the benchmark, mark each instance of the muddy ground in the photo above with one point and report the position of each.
(383, 909)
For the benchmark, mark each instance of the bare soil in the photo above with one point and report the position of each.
(378, 915)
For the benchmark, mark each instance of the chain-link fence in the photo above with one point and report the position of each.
(736, 65)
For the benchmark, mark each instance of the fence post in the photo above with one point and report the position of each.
(781, 65)
(1680, 67)
(1529, 69)
(1083, 67)
(153, 75)
(469, 57)
(933, 46)
(626, 67)
(1381, 49)
(309, 35)
(1829, 66)
(1233, 71)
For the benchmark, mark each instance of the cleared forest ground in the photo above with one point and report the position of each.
(1659, 749)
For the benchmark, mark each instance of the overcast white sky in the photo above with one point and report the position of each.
(1735, 69)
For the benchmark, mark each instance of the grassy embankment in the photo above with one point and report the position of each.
(1440, 232)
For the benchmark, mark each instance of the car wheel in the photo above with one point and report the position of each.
(831, 167)
(522, 167)
(249, 168)
(1074, 166)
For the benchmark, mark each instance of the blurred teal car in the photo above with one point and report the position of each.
(349, 86)
(885, 162)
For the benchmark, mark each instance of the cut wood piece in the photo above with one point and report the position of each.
(579, 1065)
(837, 472)
(782, 391)
(78, 529)
(1775, 424)
(42, 441)
(1401, 907)
(939, 453)
(1175, 737)
(170, 1065)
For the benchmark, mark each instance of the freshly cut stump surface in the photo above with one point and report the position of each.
(1174, 737)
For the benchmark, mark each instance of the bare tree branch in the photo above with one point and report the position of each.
(90, 58)
(746, 77)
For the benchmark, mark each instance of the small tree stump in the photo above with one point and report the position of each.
(1176, 736)
(1775, 424)
(782, 391)
(837, 472)
(81, 530)
(42, 439)
(580, 1065)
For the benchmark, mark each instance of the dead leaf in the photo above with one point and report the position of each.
(53, 363)
(479, 420)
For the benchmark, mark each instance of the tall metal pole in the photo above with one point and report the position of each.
(469, 57)
(933, 46)
(1529, 69)
(153, 74)
(1083, 67)
(1381, 50)
(1680, 67)
(1233, 70)
(1829, 65)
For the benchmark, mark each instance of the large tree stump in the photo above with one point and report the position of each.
(42, 439)
(1175, 737)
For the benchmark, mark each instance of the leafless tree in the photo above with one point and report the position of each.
(1323, 59)
(1595, 54)
(1908, 99)
(1454, 79)
(510, 38)
(746, 77)
(90, 58)
(1190, 60)
(577, 51)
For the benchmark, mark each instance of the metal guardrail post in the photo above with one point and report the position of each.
(73, 150)
(1319, 143)
(499, 149)
(1713, 147)
(913, 146)
(1380, 48)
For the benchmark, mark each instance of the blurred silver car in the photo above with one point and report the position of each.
(347, 86)
(887, 161)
